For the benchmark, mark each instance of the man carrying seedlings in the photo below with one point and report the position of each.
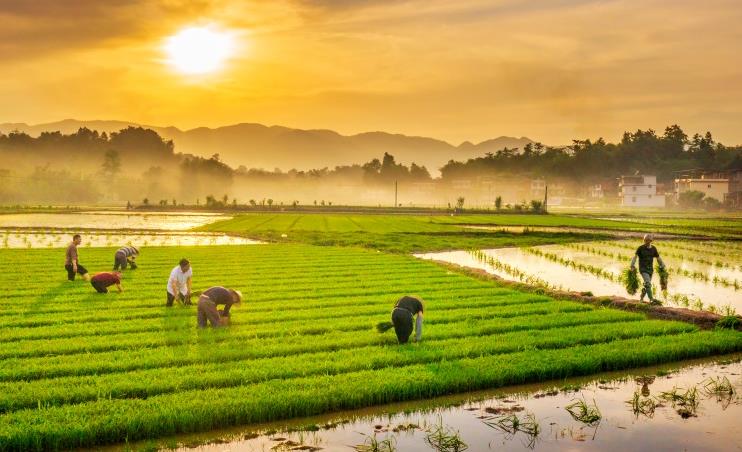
(101, 281)
(71, 263)
(406, 308)
(208, 302)
(646, 254)
(125, 256)
(179, 283)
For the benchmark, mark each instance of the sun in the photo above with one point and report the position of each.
(199, 50)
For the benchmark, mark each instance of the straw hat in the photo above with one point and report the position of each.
(239, 295)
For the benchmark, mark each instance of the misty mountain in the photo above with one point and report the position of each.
(269, 147)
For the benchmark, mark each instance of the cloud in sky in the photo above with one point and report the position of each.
(469, 69)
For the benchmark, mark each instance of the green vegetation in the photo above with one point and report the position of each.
(582, 411)
(445, 439)
(81, 369)
(421, 233)
(401, 233)
(630, 279)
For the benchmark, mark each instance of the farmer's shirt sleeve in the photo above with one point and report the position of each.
(659, 259)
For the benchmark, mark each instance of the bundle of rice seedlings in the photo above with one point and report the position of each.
(662, 271)
(383, 327)
(630, 280)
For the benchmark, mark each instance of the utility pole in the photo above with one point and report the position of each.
(546, 198)
(395, 194)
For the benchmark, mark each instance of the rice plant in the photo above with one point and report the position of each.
(719, 386)
(630, 280)
(642, 405)
(581, 411)
(444, 439)
(373, 444)
(685, 401)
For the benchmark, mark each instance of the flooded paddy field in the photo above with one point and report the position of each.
(694, 405)
(112, 228)
(52, 238)
(106, 219)
(703, 275)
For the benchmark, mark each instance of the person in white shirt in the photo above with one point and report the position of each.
(179, 283)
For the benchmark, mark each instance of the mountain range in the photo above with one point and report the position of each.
(260, 146)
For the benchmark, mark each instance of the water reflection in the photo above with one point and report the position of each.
(533, 417)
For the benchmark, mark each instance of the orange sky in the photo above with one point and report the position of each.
(457, 70)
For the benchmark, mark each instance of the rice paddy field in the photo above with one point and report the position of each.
(82, 369)
(703, 275)
(421, 233)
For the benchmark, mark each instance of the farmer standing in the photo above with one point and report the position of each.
(179, 283)
(208, 302)
(101, 281)
(406, 308)
(646, 254)
(71, 263)
(125, 256)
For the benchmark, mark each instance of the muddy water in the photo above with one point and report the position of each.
(38, 239)
(560, 276)
(110, 220)
(712, 426)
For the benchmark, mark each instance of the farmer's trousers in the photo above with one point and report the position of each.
(647, 277)
(82, 271)
(402, 321)
(207, 313)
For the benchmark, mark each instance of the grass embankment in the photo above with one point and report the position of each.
(421, 233)
(81, 369)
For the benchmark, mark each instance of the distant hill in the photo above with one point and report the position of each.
(269, 147)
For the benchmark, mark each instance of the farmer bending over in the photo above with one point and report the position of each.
(71, 263)
(125, 256)
(406, 308)
(179, 283)
(210, 299)
(646, 254)
(101, 281)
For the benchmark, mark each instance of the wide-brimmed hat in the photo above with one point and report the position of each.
(239, 295)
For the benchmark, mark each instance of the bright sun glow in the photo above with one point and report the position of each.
(199, 50)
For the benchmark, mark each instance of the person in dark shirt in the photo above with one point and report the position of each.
(71, 262)
(208, 302)
(646, 254)
(125, 256)
(404, 310)
(101, 281)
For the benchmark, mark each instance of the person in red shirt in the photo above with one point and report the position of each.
(101, 281)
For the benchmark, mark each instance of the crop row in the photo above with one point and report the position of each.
(694, 256)
(177, 350)
(150, 382)
(512, 270)
(256, 317)
(692, 274)
(105, 421)
(354, 322)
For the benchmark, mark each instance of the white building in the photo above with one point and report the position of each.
(595, 191)
(712, 188)
(640, 191)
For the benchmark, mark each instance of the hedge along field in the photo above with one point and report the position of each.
(81, 369)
